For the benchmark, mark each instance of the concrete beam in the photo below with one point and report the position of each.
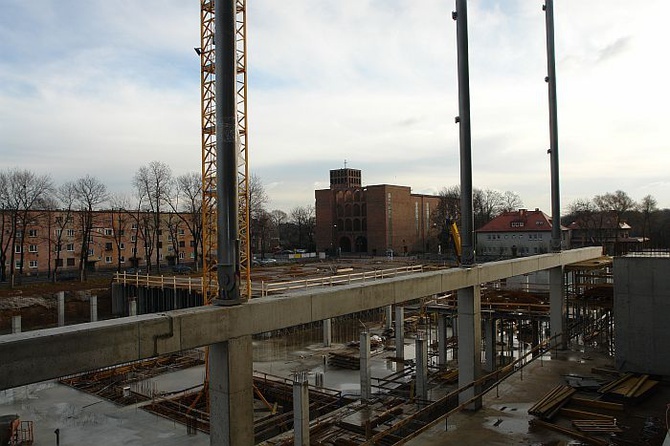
(46, 354)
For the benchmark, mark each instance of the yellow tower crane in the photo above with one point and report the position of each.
(208, 111)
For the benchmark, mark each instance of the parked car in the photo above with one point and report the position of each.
(267, 261)
(180, 268)
(133, 271)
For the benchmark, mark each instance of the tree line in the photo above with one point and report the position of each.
(159, 201)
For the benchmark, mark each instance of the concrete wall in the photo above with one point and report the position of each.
(642, 314)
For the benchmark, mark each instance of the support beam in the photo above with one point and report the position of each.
(93, 305)
(231, 393)
(442, 340)
(40, 355)
(327, 332)
(469, 343)
(61, 308)
(388, 317)
(300, 409)
(490, 343)
(421, 367)
(400, 333)
(557, 305)
(366, 388)
(16, 324)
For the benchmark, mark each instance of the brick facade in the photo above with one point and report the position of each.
(370, 220)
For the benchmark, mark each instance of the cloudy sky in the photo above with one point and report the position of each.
(101, 87)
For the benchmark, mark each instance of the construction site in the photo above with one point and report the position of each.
(565, 347)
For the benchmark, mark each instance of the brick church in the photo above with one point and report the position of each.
(373, 220)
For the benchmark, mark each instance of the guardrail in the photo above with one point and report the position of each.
(341, 279)
(176, 282)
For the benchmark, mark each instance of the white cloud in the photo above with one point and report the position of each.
(104, 87)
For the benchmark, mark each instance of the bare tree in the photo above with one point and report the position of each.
(90, 193)
(120, 220)
(303, 218)
(647, 206)
(154, 181)
(25, 190)
(278, 219)
(66, 196)
(258, 198)
(619, 204)
(511, 201)
(6, 226)
(188, 205)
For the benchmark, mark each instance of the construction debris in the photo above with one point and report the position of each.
(550, 404)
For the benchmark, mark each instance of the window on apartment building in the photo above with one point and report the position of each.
(108, 259)
(181, 255)
(109, 231)
(133, 251)
(59, 220)
(122, 259)
(57, 247)
(32, 264)
(133, 238)
(69, 247)
(122, 232)
(70, 233)
(58, 232)
(170, 249)
(182, 244)
(70, 262)
(18, 249)
(122, 246)
(17, 264)
(108, 246)
(91, 251)
(32, 248)
(133, 226)
(59, 262)
(181, 232)
(192, 255)
(192, 243)
(19, 234)
(32, 233)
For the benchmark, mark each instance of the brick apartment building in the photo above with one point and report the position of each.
(118, 239)
(352, 218)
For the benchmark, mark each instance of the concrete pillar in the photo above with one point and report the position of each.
(442, 340)
(327, 332)
(421, 367)
(490, 343)
(132, 307)
(557, 306)
(535, 335)
(366, 389)
(389, 317)
(61, 308)
(400, 332)
(16, 324)
(469, 343)
(454, 330)
(93, 301)
(231, 393)
(300, 409)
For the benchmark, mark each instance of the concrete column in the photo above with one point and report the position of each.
(421, 367)
(366, 389)
(535, 341)
(469, 343)
(454, 330)
(300, 409)
(61, 308)
(93, 301)
(327, 332)
(231, 393)
(16, 324)
(389, 317)
(557, 305)
(132, 307)
(400, 332)
(442, 340)
(490, 343)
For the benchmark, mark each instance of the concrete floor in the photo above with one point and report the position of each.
(85, 419)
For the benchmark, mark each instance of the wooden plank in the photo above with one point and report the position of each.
(605, 405)
(637, 386)
(584, 415)
(571, 432)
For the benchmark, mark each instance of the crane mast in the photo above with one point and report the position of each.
(209, 169)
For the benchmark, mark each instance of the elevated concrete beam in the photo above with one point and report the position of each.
(46, 354)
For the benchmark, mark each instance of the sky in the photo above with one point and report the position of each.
(103, 87)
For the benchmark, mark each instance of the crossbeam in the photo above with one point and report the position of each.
(46, 354)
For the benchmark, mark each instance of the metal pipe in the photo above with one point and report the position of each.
(227, 251)
(461, 17)
(553, 129)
